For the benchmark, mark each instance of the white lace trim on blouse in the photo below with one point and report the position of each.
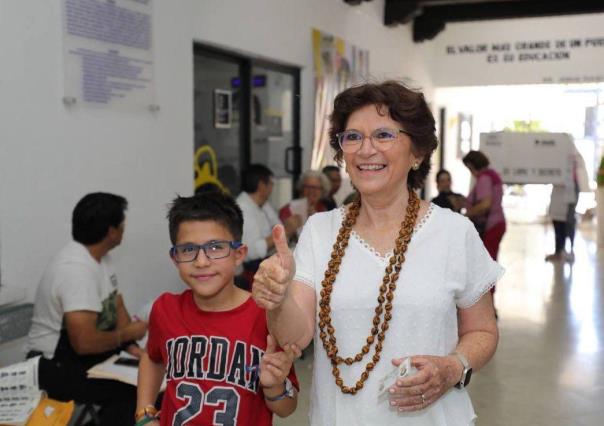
(419, 225)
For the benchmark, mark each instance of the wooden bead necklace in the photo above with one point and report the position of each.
(386, 295)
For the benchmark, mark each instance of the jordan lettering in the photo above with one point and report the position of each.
(214, 358)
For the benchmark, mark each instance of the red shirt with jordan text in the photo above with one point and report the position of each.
(211, 361)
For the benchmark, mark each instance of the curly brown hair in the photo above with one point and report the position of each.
(406, 106)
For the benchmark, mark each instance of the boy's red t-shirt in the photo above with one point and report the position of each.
(211, 361)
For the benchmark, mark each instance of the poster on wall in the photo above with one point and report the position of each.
(108, 54)
(223, 108)
(337, 65)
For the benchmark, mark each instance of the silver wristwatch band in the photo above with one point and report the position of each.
(466, 372)
(462, 359)
(287, 393)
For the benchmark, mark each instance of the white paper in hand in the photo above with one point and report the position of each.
(405, 369)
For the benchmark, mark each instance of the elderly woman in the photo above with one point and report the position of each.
(385, 279)
(313, 185)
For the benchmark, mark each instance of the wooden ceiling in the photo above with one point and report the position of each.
(429, 17)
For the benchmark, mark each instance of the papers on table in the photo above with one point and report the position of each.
(108, 369)
(19, 392)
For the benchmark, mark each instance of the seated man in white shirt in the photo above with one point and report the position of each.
(79, 315)
(259, 217)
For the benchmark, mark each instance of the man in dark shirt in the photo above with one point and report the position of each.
(447, 198)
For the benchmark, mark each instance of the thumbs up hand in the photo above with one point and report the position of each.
(275, 366)
(274, 274)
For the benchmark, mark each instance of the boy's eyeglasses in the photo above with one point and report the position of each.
(382, 139)
(182, 253)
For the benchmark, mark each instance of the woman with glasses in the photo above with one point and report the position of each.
(394, 290)
(313, 186)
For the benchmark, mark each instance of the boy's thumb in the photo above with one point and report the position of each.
(280, 240)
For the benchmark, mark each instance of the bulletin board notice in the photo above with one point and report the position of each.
(108, 53)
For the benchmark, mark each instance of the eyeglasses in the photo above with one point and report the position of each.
(182, 253)
(382, 139)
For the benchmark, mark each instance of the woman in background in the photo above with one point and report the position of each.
(483, 204)
(313, 186)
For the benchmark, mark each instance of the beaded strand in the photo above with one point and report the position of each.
(386, 295)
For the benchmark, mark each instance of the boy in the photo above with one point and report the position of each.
(212, 342)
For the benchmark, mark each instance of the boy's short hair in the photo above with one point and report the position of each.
(206, 206)
(94, 214)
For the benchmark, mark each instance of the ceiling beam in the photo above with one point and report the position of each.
(431, 16)
(456, 12)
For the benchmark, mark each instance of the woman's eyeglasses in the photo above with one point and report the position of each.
(182, 253)
(382, 139)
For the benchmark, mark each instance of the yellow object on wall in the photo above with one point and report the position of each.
(206, 168)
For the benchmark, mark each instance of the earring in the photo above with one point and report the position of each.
(415, 166)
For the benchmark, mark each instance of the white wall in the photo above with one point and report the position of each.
(578, 64)
(50, 155)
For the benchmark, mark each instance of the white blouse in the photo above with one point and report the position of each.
(446, 267)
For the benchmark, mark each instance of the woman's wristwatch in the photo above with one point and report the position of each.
(287, 393)
(466, 374)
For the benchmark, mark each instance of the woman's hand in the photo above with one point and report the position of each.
(435, 376)
(274, 274)
(275, 366)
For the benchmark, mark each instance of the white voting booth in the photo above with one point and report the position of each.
(539, 158)
(522, 158)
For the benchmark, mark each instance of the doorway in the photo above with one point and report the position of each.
(245, 111)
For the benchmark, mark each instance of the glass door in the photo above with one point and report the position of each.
(274, 127)
(246, 111)
(217, 110)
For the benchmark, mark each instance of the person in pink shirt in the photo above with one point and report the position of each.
(483, 204)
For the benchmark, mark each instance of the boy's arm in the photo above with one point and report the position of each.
(275, 367)
(284, 407)
(150, 377)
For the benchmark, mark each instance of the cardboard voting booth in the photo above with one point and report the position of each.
(523, 158)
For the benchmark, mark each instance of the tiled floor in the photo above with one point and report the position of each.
(549, 366)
